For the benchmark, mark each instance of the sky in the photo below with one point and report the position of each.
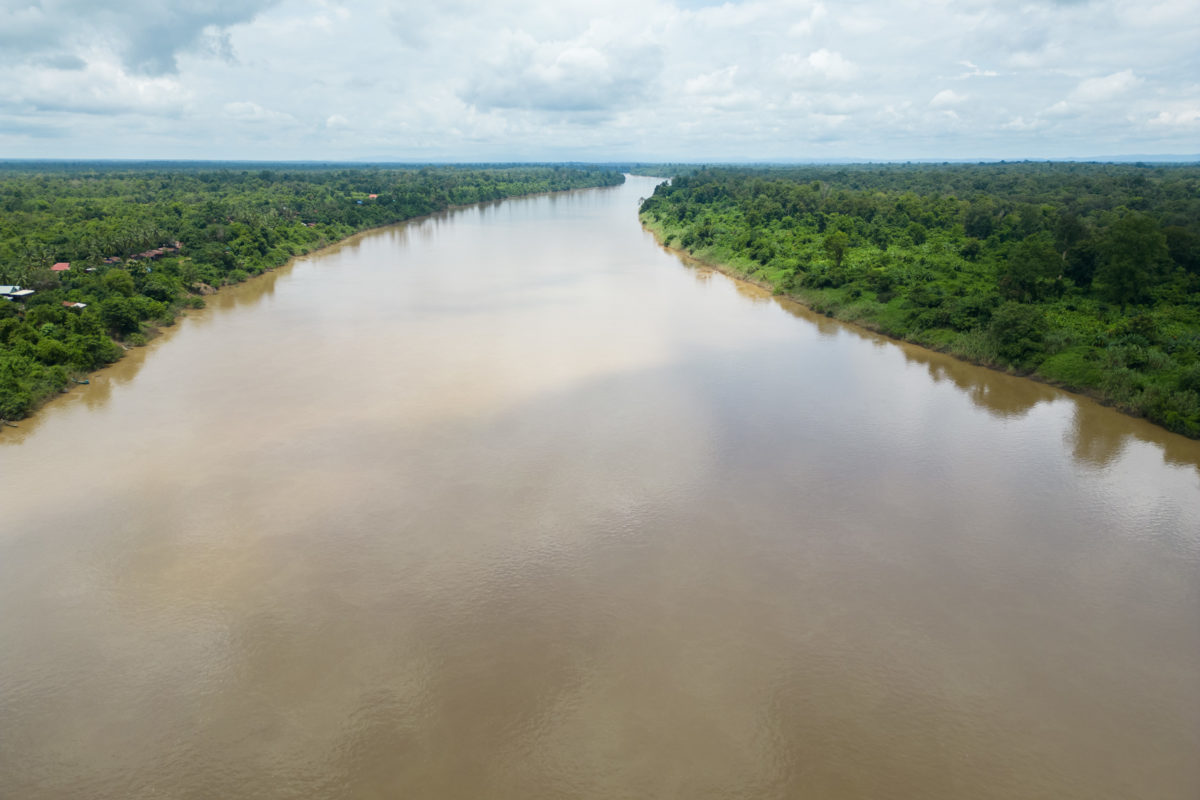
(603, 80)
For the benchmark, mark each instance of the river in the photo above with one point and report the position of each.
(510, 502)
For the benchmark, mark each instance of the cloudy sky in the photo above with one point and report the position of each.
(468, 80)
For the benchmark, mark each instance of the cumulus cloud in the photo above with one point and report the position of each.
(1095, 90)
(1184, 117)
(817, 67)
(720, 81)
(818, 12)
(1022, 124)
(947, 97)
(831, 65)
(102, 87)
(586, 73)
(246, 111)
(606, 79)
(148, 35)
(975, 71)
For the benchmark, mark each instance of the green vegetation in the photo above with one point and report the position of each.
(145, 240)
(1085, 275)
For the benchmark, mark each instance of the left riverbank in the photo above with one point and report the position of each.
(133, 247)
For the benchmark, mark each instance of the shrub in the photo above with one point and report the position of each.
(1018, 332)
(1077, 368)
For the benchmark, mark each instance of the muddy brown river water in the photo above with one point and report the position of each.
(511, 503)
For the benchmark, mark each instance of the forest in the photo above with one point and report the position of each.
(1086, 276)
(95, 257)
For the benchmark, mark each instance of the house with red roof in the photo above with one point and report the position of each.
(61, 266)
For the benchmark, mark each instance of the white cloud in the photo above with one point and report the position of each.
(246, 111)
(1152, 14)
(720, 81)
(805, 27)
(974, 71)
(862, 23)
(832, 65)
(817, 67)
(1184, 117)
(947, 97)
(1022, 124)
(1095, 90)
(102, 87)
(590, 72)
(147, 35)
(603, 79)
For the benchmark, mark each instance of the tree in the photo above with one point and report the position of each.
(979, 221)
(120, 282)
(118, 315)
(1133, 256)
(1030, 268)
(917, 232)
(1018, 332)
(1081, 262)
(836, 244)
(1184, 247)
(971, 249)
(15, 399)
(1069, 230)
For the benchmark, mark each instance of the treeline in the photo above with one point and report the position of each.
(1086, 275)
(143, 241)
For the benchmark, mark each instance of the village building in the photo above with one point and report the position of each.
(156, 253)
(14, 292)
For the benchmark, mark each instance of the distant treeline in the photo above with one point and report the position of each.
(1086, 275)
(144, 240)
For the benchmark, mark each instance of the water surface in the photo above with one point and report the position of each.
(511, 503)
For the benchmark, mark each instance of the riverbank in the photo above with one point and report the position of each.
(819, 302)
(82, 320)
(999, 265)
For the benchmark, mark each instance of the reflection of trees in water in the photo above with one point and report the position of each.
(488, 208)
(752, 293)
(264, 286)
(94, 395)
(244, 295)
(396, 236)
(703, 273)
(998, 394)
(1098, 435)
(100, 391)
(1092, 437)
(1175, 449)
(826, 326)
(13, 433)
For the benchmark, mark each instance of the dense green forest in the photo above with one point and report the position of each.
(95, 256)
(1084, 275)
